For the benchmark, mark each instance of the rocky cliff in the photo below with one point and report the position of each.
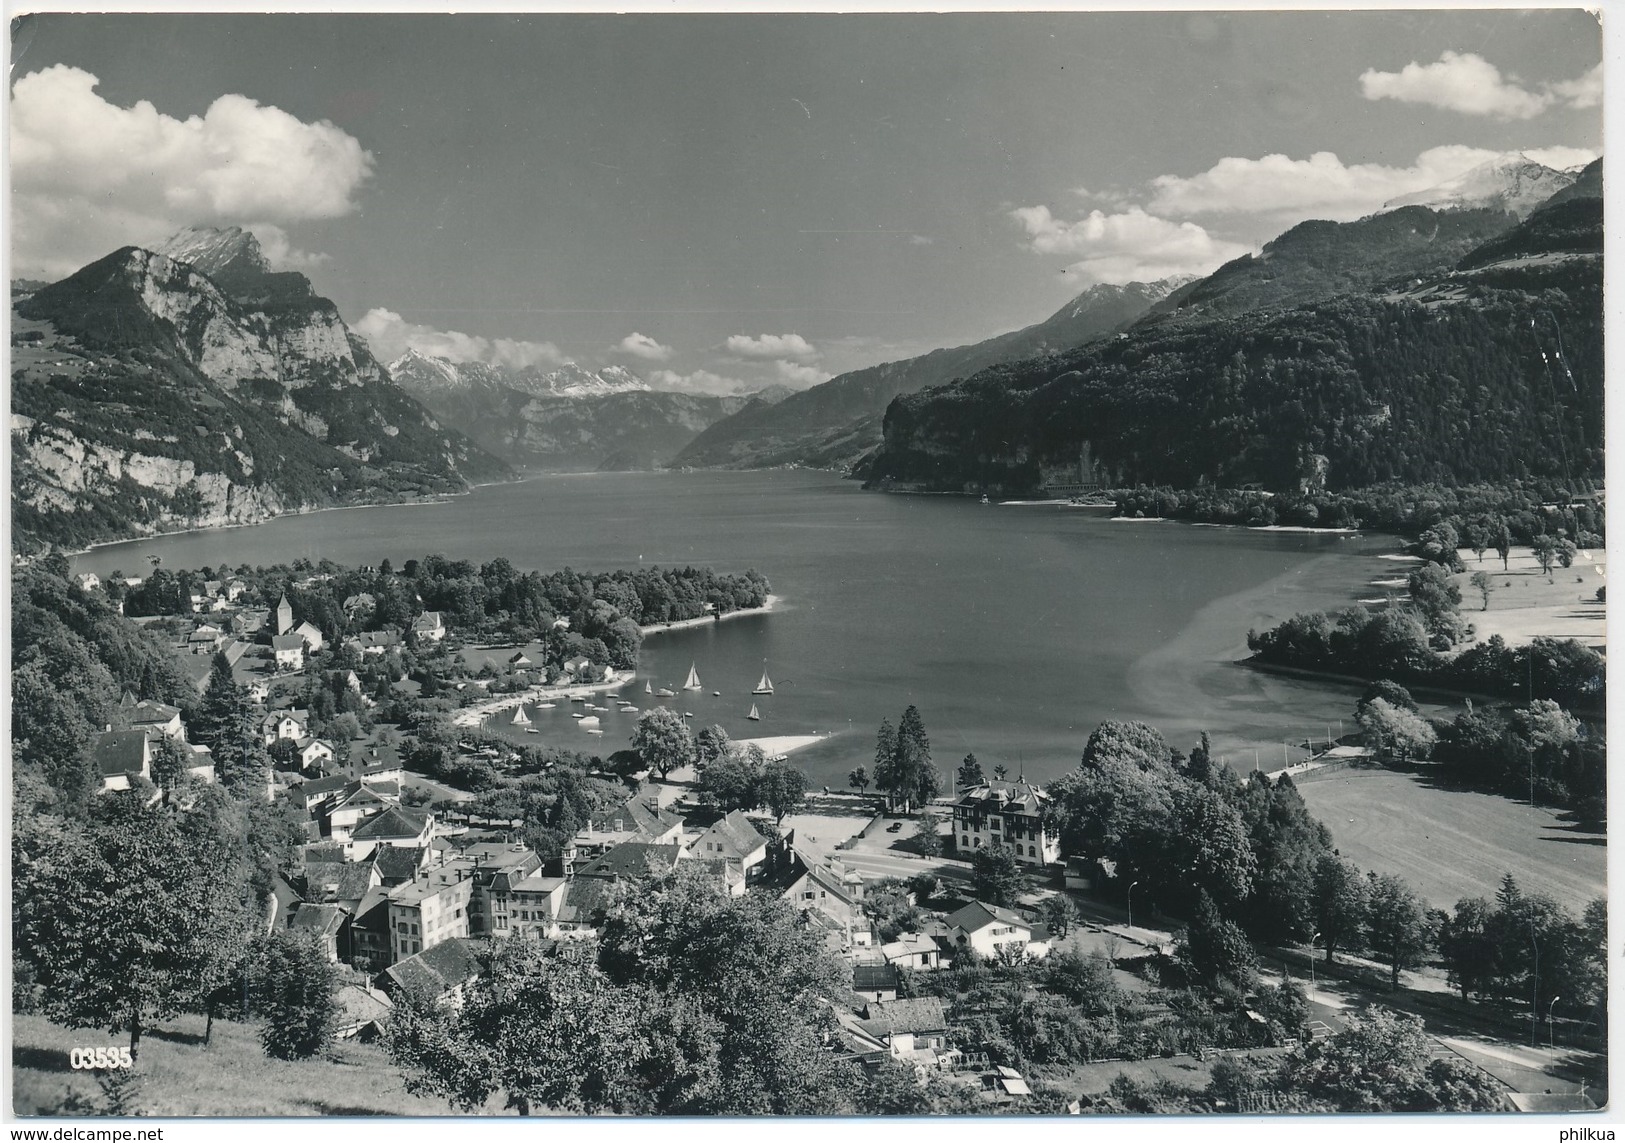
(147, 395)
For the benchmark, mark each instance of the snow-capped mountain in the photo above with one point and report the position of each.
(576, 381)
(1511, 183)
(422, 373)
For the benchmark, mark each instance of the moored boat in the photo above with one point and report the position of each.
(693, 683)
(765, 687)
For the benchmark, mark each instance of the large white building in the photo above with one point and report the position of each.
(1008, 814)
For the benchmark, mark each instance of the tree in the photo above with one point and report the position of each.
(885, 771)
(733, 781)
(296, 982)
(1060, 914)
(1545, 548)
(926, 836)
(1340, 903)
(1397, 924)
(170, 761)
(996, 875)
(1393, 732)
(858, 779)
(1001, 772)
(914, 779)
(123, 920)
(782, 788)
(970, 773)
(1381, 1061)
(1214, 950)
(1501, 538)
(1484, 583)
(709, 745)
(662, 738)
(1467, 946)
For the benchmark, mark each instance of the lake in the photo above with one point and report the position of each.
(1015, 628)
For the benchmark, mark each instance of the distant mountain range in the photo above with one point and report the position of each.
(836, 424)
(1510, 183)
(151, 393)
(1416, 345)
(568, 419)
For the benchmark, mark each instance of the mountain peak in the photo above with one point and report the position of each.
(216, 249)
(1512, 182)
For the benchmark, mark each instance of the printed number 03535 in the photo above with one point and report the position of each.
(100, 1058)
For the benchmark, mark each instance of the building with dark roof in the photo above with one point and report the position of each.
(395, 826)
(876, 981)
(733, 837)
(1008, 814)
(443, 972)
(323, 922)
(121, 757)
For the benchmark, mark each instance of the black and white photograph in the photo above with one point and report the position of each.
(822, 565)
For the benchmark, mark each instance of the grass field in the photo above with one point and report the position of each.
(1450, 844)
(233, 1076)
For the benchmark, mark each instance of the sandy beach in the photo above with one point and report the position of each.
(702, 620)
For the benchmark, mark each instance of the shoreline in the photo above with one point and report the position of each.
(770, 604)
(473, 716)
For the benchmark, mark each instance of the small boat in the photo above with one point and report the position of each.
(765, 687)
(716, 694)
(531, 730)
(629, 710)
(589, 721)
(546, 705)
(578, 716)
(693, 683)
(664, 693)
(520, 718)
(688, 714)
(648, 688)
(985, 500)
(754, 715)
(593, 730)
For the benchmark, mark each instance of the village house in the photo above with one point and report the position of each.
(397, 864)
(148, 715)
(531, 907)
(294, 724)
(341, 883)
(313, 753)
(429, 625)
(996, 932)
(122, 756)
(733, 838)
(917, 950)
(371, 948)
(912, 1030)
(354, 804)
(396, 826)
(431, 909)
(315, 792)
(1008, 814)
(362, 1012)
(876, 981)
(443, 972)
(497, 868)
(289, 651)
(324, 923)
(374, 642)
(639, 818)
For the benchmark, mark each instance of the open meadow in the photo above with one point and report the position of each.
(1450, 843)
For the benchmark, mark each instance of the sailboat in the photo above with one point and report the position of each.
(520, 718)
(693, 683)
(648, 687)
(754, 715)
(765, 687)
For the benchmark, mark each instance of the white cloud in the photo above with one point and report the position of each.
(390, 335)
(1321, 186)
(644, 347)
(1562, 158)
(89, 176)
(1580, 93)
(771, 345)
(1132, 246)
(1458, 81)
(700, 381)
(920, 240)
(800, 376)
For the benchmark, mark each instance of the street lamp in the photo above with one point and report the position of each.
(1551, 1028)
(1312, 941)
(1131, 905)
(1534, 999)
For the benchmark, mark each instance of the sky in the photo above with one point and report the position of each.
(723, 202)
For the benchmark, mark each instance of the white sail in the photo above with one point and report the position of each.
(648, 688)
(765, 687)
(693, 683)
(754, 716)
(520, 718)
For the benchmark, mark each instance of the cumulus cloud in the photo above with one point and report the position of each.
(1132, 246)
(391, 335)
(1583, 92)
(771, 345)
(1323, 186)
(644, 347)
(89, 176)
(700, 381)
(1562, 158)
(1470, 84)
(800, 376)
(279, 249)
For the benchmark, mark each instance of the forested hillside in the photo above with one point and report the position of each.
(1486, 373)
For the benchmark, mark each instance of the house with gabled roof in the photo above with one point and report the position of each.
(294, 724)
(370, 945)
(632, 860)
(311, 635)
(639, 818)
(341, 883)
(429, 625)
(362, 1012)
(532, 907)
(121, 757)
(374, 642)
(289, 651)
(314, 792)
(395, 826)
(444, 971)
(994, 931)
(734, 838)
(431, 908)
(148, 714)
(323, 922)
(906, 1025)
(399, 863)
(876, 981)
(917, 950)
(354, 804)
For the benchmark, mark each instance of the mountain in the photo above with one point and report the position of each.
(1587, 184)
(565, 420)
(148, 396)
(1488, 369)
(1509, 183)
(1319, 259)
(836, 423)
